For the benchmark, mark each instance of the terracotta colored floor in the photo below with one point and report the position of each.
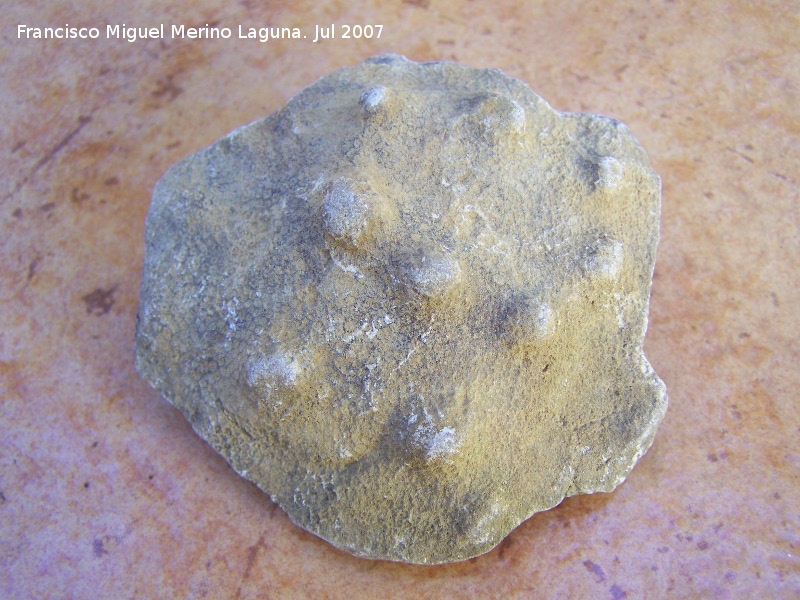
(105, 492)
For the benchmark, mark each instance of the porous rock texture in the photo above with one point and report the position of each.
(410, 305)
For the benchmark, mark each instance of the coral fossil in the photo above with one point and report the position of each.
(410, 305)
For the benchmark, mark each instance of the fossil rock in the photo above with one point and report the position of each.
(410, 305)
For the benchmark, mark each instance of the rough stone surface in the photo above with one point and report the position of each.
(410, 305)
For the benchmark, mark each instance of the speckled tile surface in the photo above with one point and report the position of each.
(106, 492)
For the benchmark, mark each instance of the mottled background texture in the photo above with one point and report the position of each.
(105, 491)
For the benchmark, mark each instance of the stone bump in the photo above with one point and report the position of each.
(410, 305)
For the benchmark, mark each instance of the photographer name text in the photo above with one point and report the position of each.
(321, 33)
